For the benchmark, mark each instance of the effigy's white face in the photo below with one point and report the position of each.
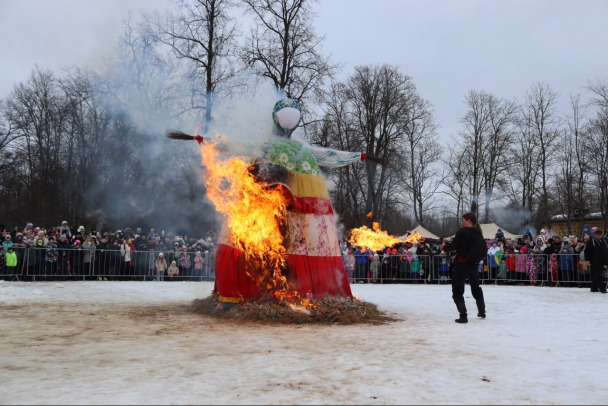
(288, 117)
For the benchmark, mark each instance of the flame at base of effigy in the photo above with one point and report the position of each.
(256, 216)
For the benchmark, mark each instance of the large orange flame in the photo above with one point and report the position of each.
(255, 215)
(414, 238)
(377, 239)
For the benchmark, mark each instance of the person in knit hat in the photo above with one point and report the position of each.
(500, 236)
(173, 270)
(161, 267)
(7, 243)
(65, 229)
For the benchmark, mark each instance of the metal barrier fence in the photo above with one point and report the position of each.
(513, 269)
(34, 263)
(79, 264)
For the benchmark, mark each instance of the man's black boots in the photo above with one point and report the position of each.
(481, 308)
(462, 319)
(462, 309)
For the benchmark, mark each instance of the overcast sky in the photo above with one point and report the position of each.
(447, 47)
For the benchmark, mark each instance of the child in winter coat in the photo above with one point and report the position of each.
(531, 268)
(566, 265)
(161, 267)
(444, 270)
(173, 269)
(553, 269)
(199, 260)
(415, 268)
(494, 256)
(521, 264)
(7, 243)
(502, 271)
(511, 264)
(184, 261)
(349, 264)
(10, 258)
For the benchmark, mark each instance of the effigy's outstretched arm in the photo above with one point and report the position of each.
(334, 158)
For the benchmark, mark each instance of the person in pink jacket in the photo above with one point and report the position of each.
(199, 261)
(521, 264)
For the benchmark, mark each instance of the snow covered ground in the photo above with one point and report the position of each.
(137, 343)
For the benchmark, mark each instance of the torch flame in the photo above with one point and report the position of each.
(377, 239)
(414, 238)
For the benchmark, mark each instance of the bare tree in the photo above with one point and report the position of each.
(599, 91)
(487, 139)
(498, 150)
(457, 166)
(39, 114)
(379, 98)
(339, 130)
(573, 174)
(204, 34)
(11, 186)
(598, 161)
(598, 145)
(7, 132)
(540, 106)
(370, 112)
(423, 150)
(284, 48)
(476, 127)
(146, 79)
(525, 167)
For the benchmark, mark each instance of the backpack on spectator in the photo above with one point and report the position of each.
(478, 249)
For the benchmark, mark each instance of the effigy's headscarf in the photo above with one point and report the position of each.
(286, 115)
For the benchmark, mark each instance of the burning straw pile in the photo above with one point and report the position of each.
(328, 311)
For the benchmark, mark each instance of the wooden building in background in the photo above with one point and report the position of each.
(559, 224)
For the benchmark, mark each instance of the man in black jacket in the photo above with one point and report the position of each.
(596, 252)
(464, 268)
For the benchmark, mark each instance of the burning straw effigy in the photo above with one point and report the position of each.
(278, 257)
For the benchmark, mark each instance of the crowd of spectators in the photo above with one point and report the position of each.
(64, 250)
(555, 260)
